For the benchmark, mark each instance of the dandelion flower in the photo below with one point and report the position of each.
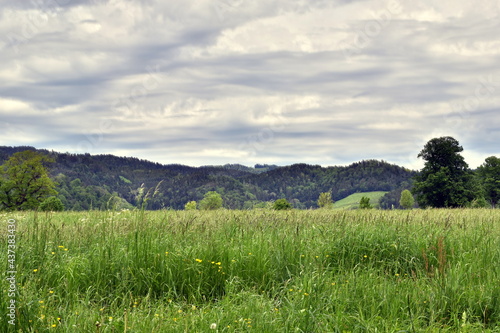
(35, 270)
(198, 260)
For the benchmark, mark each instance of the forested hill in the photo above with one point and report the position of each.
(100, 181)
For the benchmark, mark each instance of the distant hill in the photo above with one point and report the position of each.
(102, 181)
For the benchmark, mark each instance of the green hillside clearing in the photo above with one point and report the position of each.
(352, 201)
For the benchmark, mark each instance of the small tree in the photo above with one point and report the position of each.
(325, 200)
(211, 201)
(281, 204)
(364, 203)
(407, 201)
(52, 204)
(191, 205)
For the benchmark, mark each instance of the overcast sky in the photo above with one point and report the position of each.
(201, 82)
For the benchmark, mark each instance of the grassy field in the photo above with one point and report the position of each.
(352, 201)
(254, 271)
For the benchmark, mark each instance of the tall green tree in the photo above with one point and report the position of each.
(407, 201)
(211, 200)
(489, 177)
(24, 181)
(445, 180)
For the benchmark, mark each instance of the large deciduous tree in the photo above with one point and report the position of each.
(489, 176)
(445, 180)
(24, 181)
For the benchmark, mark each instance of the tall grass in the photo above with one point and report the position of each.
(259, 271)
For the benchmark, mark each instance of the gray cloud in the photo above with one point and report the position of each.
(263, 82)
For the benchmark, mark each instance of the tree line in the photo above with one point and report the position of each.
(31, 179)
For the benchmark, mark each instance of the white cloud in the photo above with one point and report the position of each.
(8, 105)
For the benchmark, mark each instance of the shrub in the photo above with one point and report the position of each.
(52, 204)
(282, 204)
(191, 205)
(364, 203)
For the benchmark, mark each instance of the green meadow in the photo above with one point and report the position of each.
(254, 271)
(352, 201)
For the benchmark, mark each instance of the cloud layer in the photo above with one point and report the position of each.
(234, 81)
